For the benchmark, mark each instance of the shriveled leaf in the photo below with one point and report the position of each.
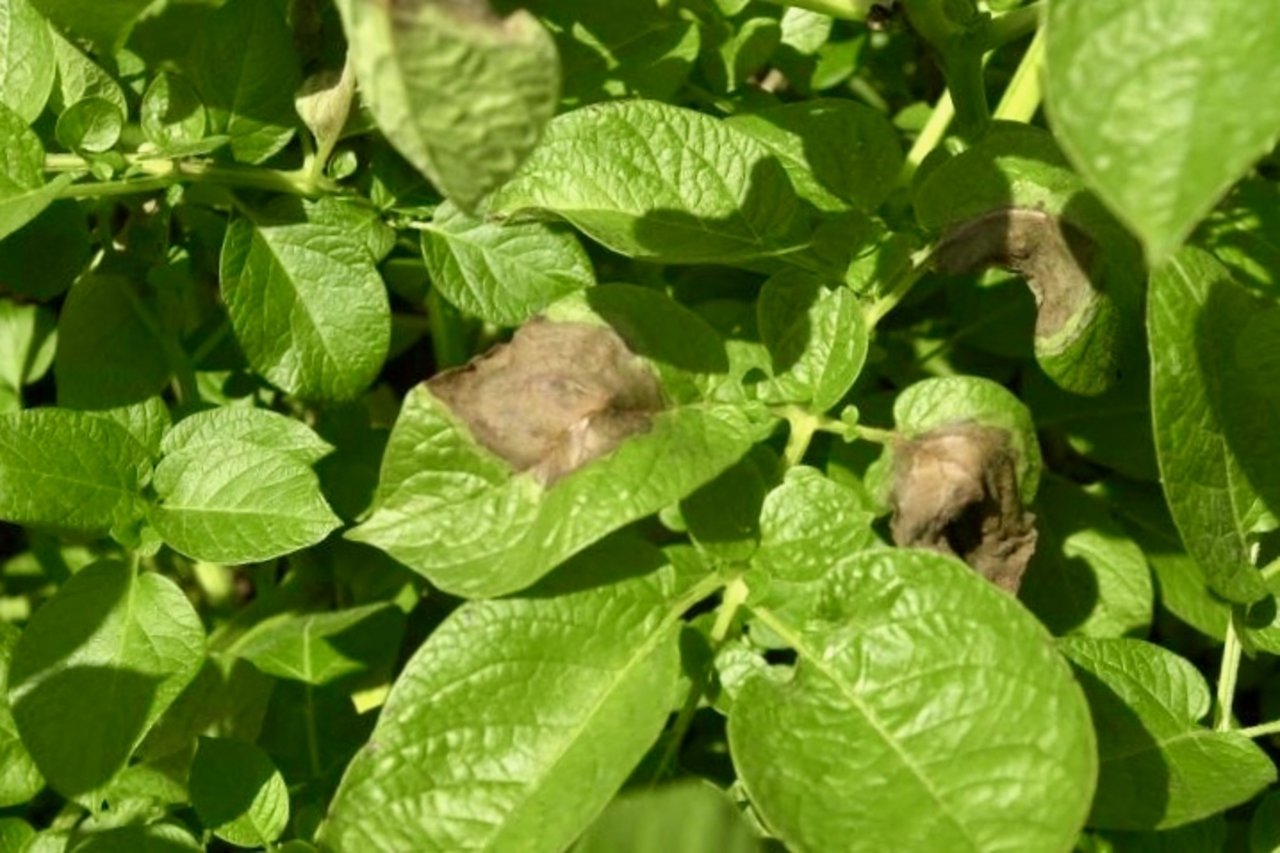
(235, 502)
(1156, 111)
(96, 667)
(1086, 576)
(893, 733)
(837, 152)
(1214, 414)
(1158, 767)
(502, 273)
(26, 66)
(238, 793)
(306, 302)
(67, 469)
(461, 92)
(518, 719)
(659, 182)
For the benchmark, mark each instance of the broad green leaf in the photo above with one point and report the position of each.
(1087, 576)
(20, 206)
(58, 237)
(322, 647)
(153, 838)
(96, 667)
(91, 125)
(23, 192)
(837, 152)
(816, 336)
(1012, 201)
(259, 427)
(26, 66)
(503, 274)
(723, 516)
(1156, 111)
(915, 718)
(807, 525)
(146, 422)
(114, 346)
(15, 833)
(236, 502)
(106, 23)
(28, 335)
(689, 816)
(67, 469)
(658, 182)
(80, 78)
(306, 302)
(461, 92)
(245, 67)
(312, 733)
(1183, 589)
(455, 512)
(238, 793)
(1214, 415)
(1264, 828)
(518, 719)
(1158, 767)
(172, 114)
(1244, 233)
(1207, 834)
(20, 780)
(623, 49)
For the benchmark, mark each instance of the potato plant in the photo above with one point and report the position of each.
(643, 425)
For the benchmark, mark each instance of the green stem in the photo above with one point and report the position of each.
(1022, 98)
(803, 425)
(930, 136)
(849, 10)
(166, 173)
(1261, 730)
(962, 64)
(1011, 26)
(1227, 675)
(876, 311)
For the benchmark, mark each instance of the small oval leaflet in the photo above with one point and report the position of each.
(955, 491)
(553, 399)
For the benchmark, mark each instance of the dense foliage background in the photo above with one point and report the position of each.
(871, 442)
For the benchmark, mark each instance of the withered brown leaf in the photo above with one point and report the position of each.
(553, 399)
(955, 490)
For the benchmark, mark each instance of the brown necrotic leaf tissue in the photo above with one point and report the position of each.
(955, 490)
(553, 399)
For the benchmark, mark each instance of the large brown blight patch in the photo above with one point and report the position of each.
(553, 399)
(955, 491)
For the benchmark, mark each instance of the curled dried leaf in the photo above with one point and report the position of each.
(553, 399)
(955, 491)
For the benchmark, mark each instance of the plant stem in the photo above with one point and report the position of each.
(930, 135)
(1011, 26)
(1261, 730)
(803, 425)
(166, 173)
(876, 311)
(849, 10)
(1227, 675)
(1022, 98)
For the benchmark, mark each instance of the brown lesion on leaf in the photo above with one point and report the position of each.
(1054, 257)
(558, 396)
(955, 491)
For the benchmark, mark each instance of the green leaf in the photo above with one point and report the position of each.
(96, 667)
(259, 427)
(238, 793)
(518, 719)
(625, 49)
(319, 648)
(1264, 828)
(28, 334)
(235, 502)
(92, 125)
(114, 346)
(658, 182)
(146, 422)
(723, 515)
(26, 67)
(80, 78)
(504, 274)
(455, 513)
(15, 833)
(155, 838)
(461, 93)
(1214, 412)
(20, 206)
(1156, 114)
(20, 780)
(324, 104)
(892, 734)
(23, 192)
(817, 339)
(306, 302)
(172, 113)
(245, 68)
(838, 153)
(1086, 576)
(1244, 233)
(105, 22)
(71, 470)
(58, 236)
(1158, 767)
(689, 816)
